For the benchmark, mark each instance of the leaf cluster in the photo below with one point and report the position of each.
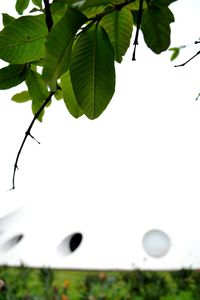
(70, 50)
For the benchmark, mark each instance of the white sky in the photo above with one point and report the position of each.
(134, 169)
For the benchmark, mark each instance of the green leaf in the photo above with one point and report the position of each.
(21, 97)
(84, 4)
(59, 45)
(156, 29)
(92, 71)
(58, 7)
(135, 5)
(119, 26)
(69, 97)
(12, 75)
(58, 94)
(163, 2)
(38, 3)
(7, 19)
(23, 40)
(175, 53)
(21, 5)
(38, 91)
(92, 11)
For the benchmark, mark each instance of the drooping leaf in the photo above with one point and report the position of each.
(59, 45)
(21, 97)
(156, 28)
(12, 75)
(21, 5)
(119, 26)
(7, 19)
(38, 91)
(92, 71)
(69, 97)
(23, 40)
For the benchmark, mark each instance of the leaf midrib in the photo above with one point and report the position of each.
(94, 69)
(24, 42)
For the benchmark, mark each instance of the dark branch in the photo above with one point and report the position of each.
(183, 64)
(28, 133)
(139, 20)
(49, 19)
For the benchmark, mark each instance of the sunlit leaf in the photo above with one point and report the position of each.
(21, 97)
(21, 5)
(92, 71)
(12, 75)
(59, 45)
(119, 26)
(38, 91)
(69, 97)
(23, 40)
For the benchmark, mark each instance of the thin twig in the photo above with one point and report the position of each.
(183, 64)
(28, 133)
(49, 23)
(197, 97)
(139, 20)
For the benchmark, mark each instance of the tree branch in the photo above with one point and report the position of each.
(49, 23)
(139, 20)
(183, 64)
(49, 19)
(28, 133)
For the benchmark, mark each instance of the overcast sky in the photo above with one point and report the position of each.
(134, 169)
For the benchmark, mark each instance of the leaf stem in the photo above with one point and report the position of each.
(49, 19)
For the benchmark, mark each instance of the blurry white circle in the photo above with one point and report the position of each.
(156, 243)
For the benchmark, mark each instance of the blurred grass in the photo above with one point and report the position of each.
(48, 284)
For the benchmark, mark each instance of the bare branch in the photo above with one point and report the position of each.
(183, 64)
(28, 133)
(139, 20)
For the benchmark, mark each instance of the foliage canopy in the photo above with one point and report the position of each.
(67, 49)
(76, 44)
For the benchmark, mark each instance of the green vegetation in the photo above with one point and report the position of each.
(67, 50)
(47, 284)
(80, 40)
